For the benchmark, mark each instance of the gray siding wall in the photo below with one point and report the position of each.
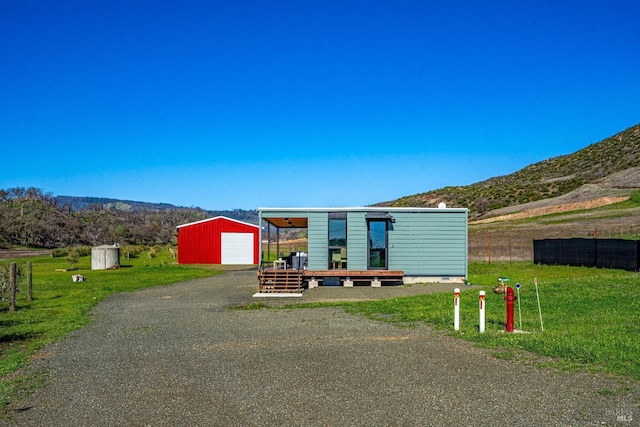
(429, 244)
(356, 241)
(318, 240)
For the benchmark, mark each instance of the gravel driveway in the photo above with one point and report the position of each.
(177, 356)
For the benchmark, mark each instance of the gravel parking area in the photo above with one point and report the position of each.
(178, 356)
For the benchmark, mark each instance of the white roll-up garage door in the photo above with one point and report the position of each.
(237, 248)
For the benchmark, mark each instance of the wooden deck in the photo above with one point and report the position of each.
(280, 280)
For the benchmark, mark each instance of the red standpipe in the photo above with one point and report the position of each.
(509, 298)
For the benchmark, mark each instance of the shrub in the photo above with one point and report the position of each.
(73, 257)
(79, 251)
(153, 252)
(82, 250)
(131, 251)
(4, 243)
(172, 251)
(59, 252)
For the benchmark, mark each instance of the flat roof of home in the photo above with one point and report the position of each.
(363, 208)
(282, 220)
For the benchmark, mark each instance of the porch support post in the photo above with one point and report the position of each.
(376, 283)
(348, 283)
(268, 241)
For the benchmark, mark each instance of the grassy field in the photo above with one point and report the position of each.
(59, 305)
(591, 317)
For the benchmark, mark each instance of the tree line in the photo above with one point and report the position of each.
(32, 218)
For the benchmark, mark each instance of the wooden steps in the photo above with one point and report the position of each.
(280, 280)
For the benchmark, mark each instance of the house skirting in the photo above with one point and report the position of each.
(409, 280)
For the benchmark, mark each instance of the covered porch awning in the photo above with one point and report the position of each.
(278, 221)
(282, 222)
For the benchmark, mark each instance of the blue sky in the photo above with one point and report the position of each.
(231, 104)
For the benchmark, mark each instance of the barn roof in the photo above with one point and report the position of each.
(217, 218)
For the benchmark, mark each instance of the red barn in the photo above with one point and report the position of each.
(218, 240)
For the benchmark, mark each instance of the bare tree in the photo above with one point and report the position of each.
(481, 205)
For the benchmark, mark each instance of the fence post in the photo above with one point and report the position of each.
(29, 282)
(489, 246)
(510, 253)
(12, 286)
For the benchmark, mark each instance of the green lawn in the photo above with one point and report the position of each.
(591, 316)
(59, 305)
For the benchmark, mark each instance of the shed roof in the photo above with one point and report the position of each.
(217, 218)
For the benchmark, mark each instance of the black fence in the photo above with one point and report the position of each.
(601, 253)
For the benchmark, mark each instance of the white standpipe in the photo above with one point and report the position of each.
(482, 308)
(535, 280)
(456, 309)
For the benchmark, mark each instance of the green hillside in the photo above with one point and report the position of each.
(549, 178)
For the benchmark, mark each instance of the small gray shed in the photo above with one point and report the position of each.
(105, 257)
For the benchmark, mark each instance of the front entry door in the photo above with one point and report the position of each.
(377, 230)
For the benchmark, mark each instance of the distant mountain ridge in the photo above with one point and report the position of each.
(618, 155)
(84, 203)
